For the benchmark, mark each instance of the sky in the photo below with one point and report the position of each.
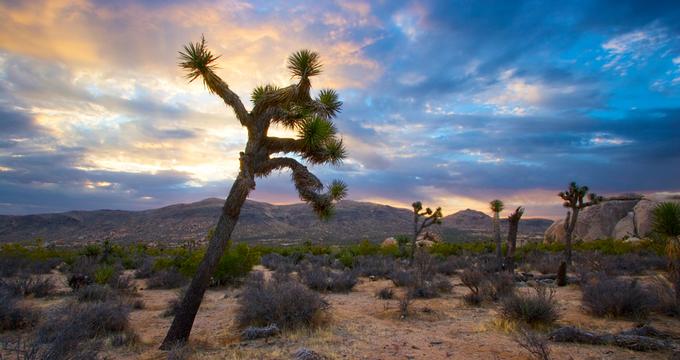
(453, 103)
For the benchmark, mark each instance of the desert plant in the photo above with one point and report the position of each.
(317, 143)
(378, 266)
(29, 285)
(537, 308)
(405, 304)
(285, 302)
(498, 286)
(615, 297)
(473, 279)
(574, 201)
(94, 292)
(452, 264)
(13, 316)
(422, 219)
(324, 279)
(513, 226)
(72, 329)
(496, 207)
(402, 277)
(145, 270)
(386, 293)
(537, 345)
(166, 279)
(662, 297)
(174, 303)
(666, 222)
(104, 273)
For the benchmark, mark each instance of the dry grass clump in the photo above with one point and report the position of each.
(610, 296)
(284, 302)
(166, 279)
(539, 308)
(326, 280)
(27, 285)
(14, 316)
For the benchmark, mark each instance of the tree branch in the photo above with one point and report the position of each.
(285, 145)
(219, 87)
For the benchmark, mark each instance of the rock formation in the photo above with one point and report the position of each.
(622, 217)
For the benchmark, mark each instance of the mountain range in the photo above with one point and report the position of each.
(259, 223)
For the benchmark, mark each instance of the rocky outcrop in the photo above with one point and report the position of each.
(620, 217)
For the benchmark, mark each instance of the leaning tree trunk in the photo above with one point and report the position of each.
(181, 325)
(512, 244)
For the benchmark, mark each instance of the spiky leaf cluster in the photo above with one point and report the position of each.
(575, 195)
(496, 206)
(293, 107)
(431, 217)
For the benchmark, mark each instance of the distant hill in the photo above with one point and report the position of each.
(259, 223)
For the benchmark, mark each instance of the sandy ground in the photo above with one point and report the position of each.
(361, 326)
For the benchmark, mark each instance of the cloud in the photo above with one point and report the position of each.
(452, 103)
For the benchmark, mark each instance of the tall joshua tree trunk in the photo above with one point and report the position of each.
(316, 143)
(574, 201)
(496, 207)
(184, 319)
(513, 227)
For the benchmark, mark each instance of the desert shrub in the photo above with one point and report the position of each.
(94, 292)
(378, 266)
(104, 273)
(70, 329)
(537, 345)
(623, 264)
(179, 352)
(615, 297)
(423, 290)
(424, 264)
(175, 303)
(84, 265)
(402, 277)
(543, 262)
(287, 303)
(28, 285)
(145, 269)
(77, 281)
(324, 279)
(451, 264)
(499, 285)
(235, 264)
(10, 266)
(442, 284)
(537, 308)
(166, 279)
(122, 283)
(277, 262)
(473, 299)
(473, 279)
(13, 316)
(386, 293)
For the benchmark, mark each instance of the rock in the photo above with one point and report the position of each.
(625, 228)
(390, 241)
(306, 354)
(424, 243)
(598, 221)
(430, 236)
(643, 211)
(555, 232)
(252, 333)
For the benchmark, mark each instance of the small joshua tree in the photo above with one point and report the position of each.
(496, 207)
(513, 226)
(316, 143)
(574, 201)
(423, 219)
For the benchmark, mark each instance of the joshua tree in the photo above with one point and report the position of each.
(496, 207)
(573, 200)
(666, 222)
(513, 225)
(316, 143)
(429, 218)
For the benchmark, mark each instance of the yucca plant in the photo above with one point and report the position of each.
(666, 222)
(422, 219)
(496, 207)
(574, 201)
(513, 227)
(317, 142)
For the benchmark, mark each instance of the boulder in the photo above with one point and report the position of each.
(625, 228)
(621, 217)
(643, 211)
(390, 241)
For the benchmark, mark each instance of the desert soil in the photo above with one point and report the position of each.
(361, 326)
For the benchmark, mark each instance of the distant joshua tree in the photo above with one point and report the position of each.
(496, 207)
(513, 226)
(574, 201)
(423, 219)
(316, 143)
